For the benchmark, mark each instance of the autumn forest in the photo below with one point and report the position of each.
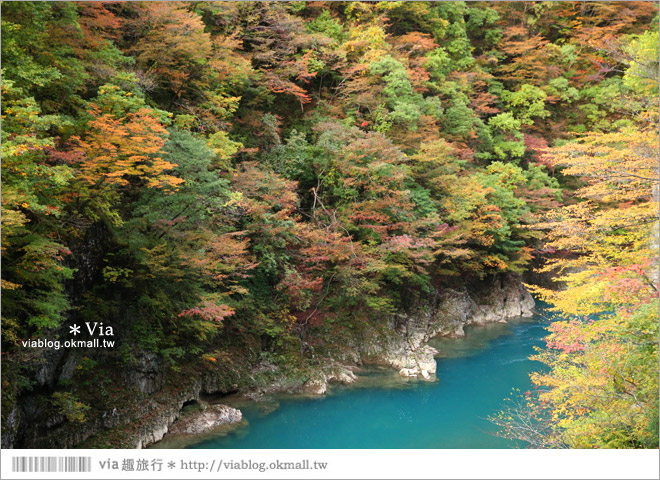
(227, 184)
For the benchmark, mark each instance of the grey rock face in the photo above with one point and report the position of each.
(315, 386)
(156, 432)
(318, 384)
(147, 374)
(404, 345)
(204, 421)
(11, 426)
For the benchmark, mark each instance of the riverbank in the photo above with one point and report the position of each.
(385, 410)
(404, 348)
(152, 398)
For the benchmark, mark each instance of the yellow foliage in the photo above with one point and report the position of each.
(611, 228)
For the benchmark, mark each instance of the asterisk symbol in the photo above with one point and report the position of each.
(171, 465)
(75, 329)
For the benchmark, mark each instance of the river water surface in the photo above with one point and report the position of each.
(383, 410)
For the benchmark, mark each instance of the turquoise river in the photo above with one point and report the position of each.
(383, 410)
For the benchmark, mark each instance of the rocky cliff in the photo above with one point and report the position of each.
(404, 345)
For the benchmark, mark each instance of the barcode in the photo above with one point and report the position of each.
(51, 464)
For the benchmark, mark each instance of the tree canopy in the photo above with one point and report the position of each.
(211, 176)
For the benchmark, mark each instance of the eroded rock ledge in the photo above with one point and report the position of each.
(404, 345)
(207, 418)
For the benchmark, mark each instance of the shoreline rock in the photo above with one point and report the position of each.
(404, 345)
(205, 420)
(400, 343)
